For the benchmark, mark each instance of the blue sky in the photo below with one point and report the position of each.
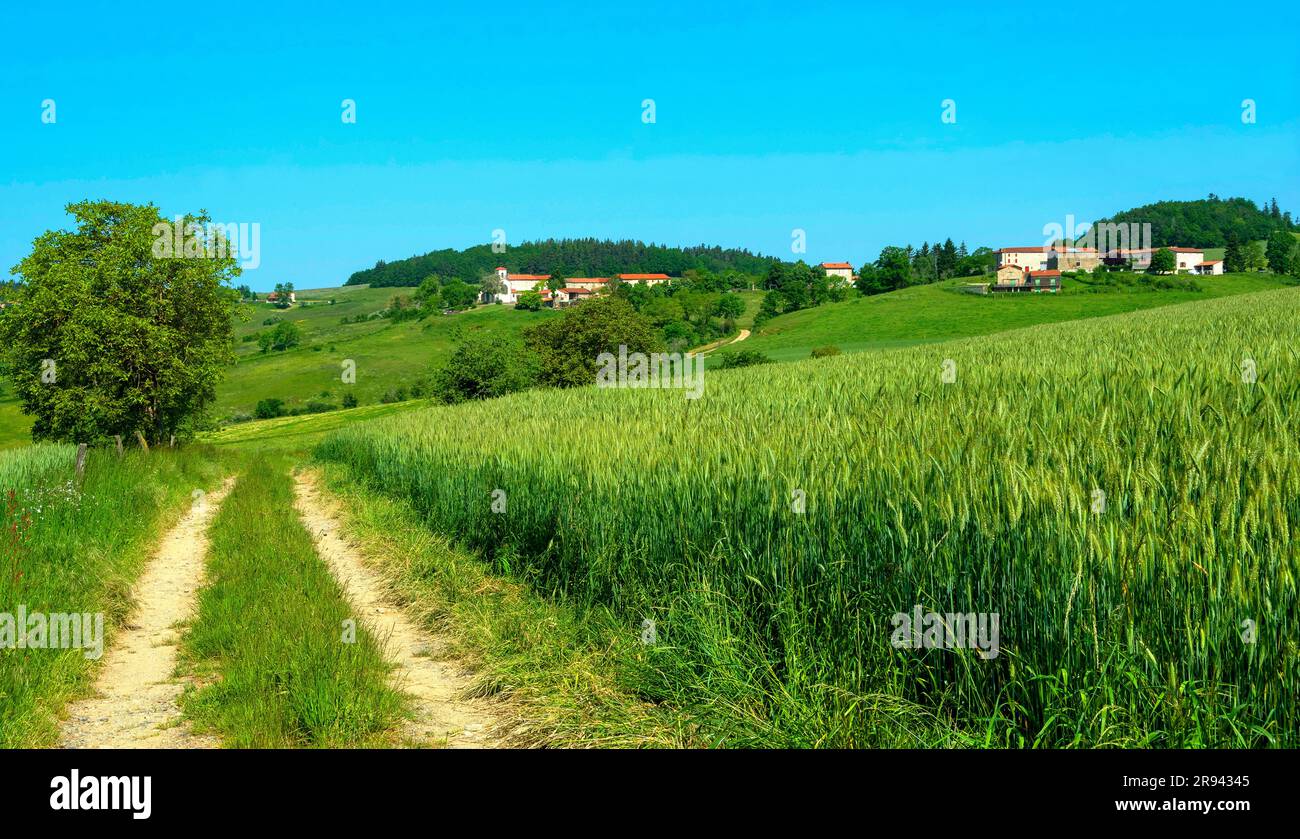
(769, 117)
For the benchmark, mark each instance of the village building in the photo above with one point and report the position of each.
(1187, 260)
(839, 270)
(572, 294)
(588, 283)
(1014, 278)
(1024, 258)
(1062, 257)
(645, 279)
(1068, 258)
(575, 288)
(515, 284)
(1057, 257)
(1010, 274)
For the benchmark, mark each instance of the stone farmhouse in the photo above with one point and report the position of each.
(1039, 268)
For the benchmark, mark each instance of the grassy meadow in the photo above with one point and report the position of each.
(77, 547)
(773, 529)
(15, 427)
(300, 433)
(388, 355)
(939, 312)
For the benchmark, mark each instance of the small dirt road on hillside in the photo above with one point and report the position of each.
(136, 692)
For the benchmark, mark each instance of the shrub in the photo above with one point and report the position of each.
(349, 400)
(743, 358)
(284, 336)
(269, 409)
(482, 367)
(825, 352)
(529, 301)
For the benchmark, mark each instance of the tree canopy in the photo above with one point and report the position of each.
(1206, 223)
(1281, 252)
(107, 338)
(567, 347)
(563, 258)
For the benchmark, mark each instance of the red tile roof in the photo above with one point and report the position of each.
(528, 276)
(644, 277)
(840, 265)
(1024, 250)
(1153, 250)
(587, 280)
(1045, 273)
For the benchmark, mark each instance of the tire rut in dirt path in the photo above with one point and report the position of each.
(135, 702)
(443, 717)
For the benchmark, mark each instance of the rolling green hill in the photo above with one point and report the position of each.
(392, 355)
(388, 355)
(928, 313)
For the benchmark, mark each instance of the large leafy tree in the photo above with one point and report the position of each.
(1281, 246)
(429, 294)
(483, 367)
(109, 337)
(459, 295)
(1253, 257)
(568, 347)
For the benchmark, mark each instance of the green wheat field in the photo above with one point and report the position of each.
(1121, 492)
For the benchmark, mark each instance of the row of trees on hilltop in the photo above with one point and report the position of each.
(902, 266)
(566, 257)
(1207, 223)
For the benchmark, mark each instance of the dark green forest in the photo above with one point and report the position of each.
(1208, 222)
(566, 257)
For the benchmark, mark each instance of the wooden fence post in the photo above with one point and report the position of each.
(118, 438)
(81, 460)
(172, 444)
(144, 444)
